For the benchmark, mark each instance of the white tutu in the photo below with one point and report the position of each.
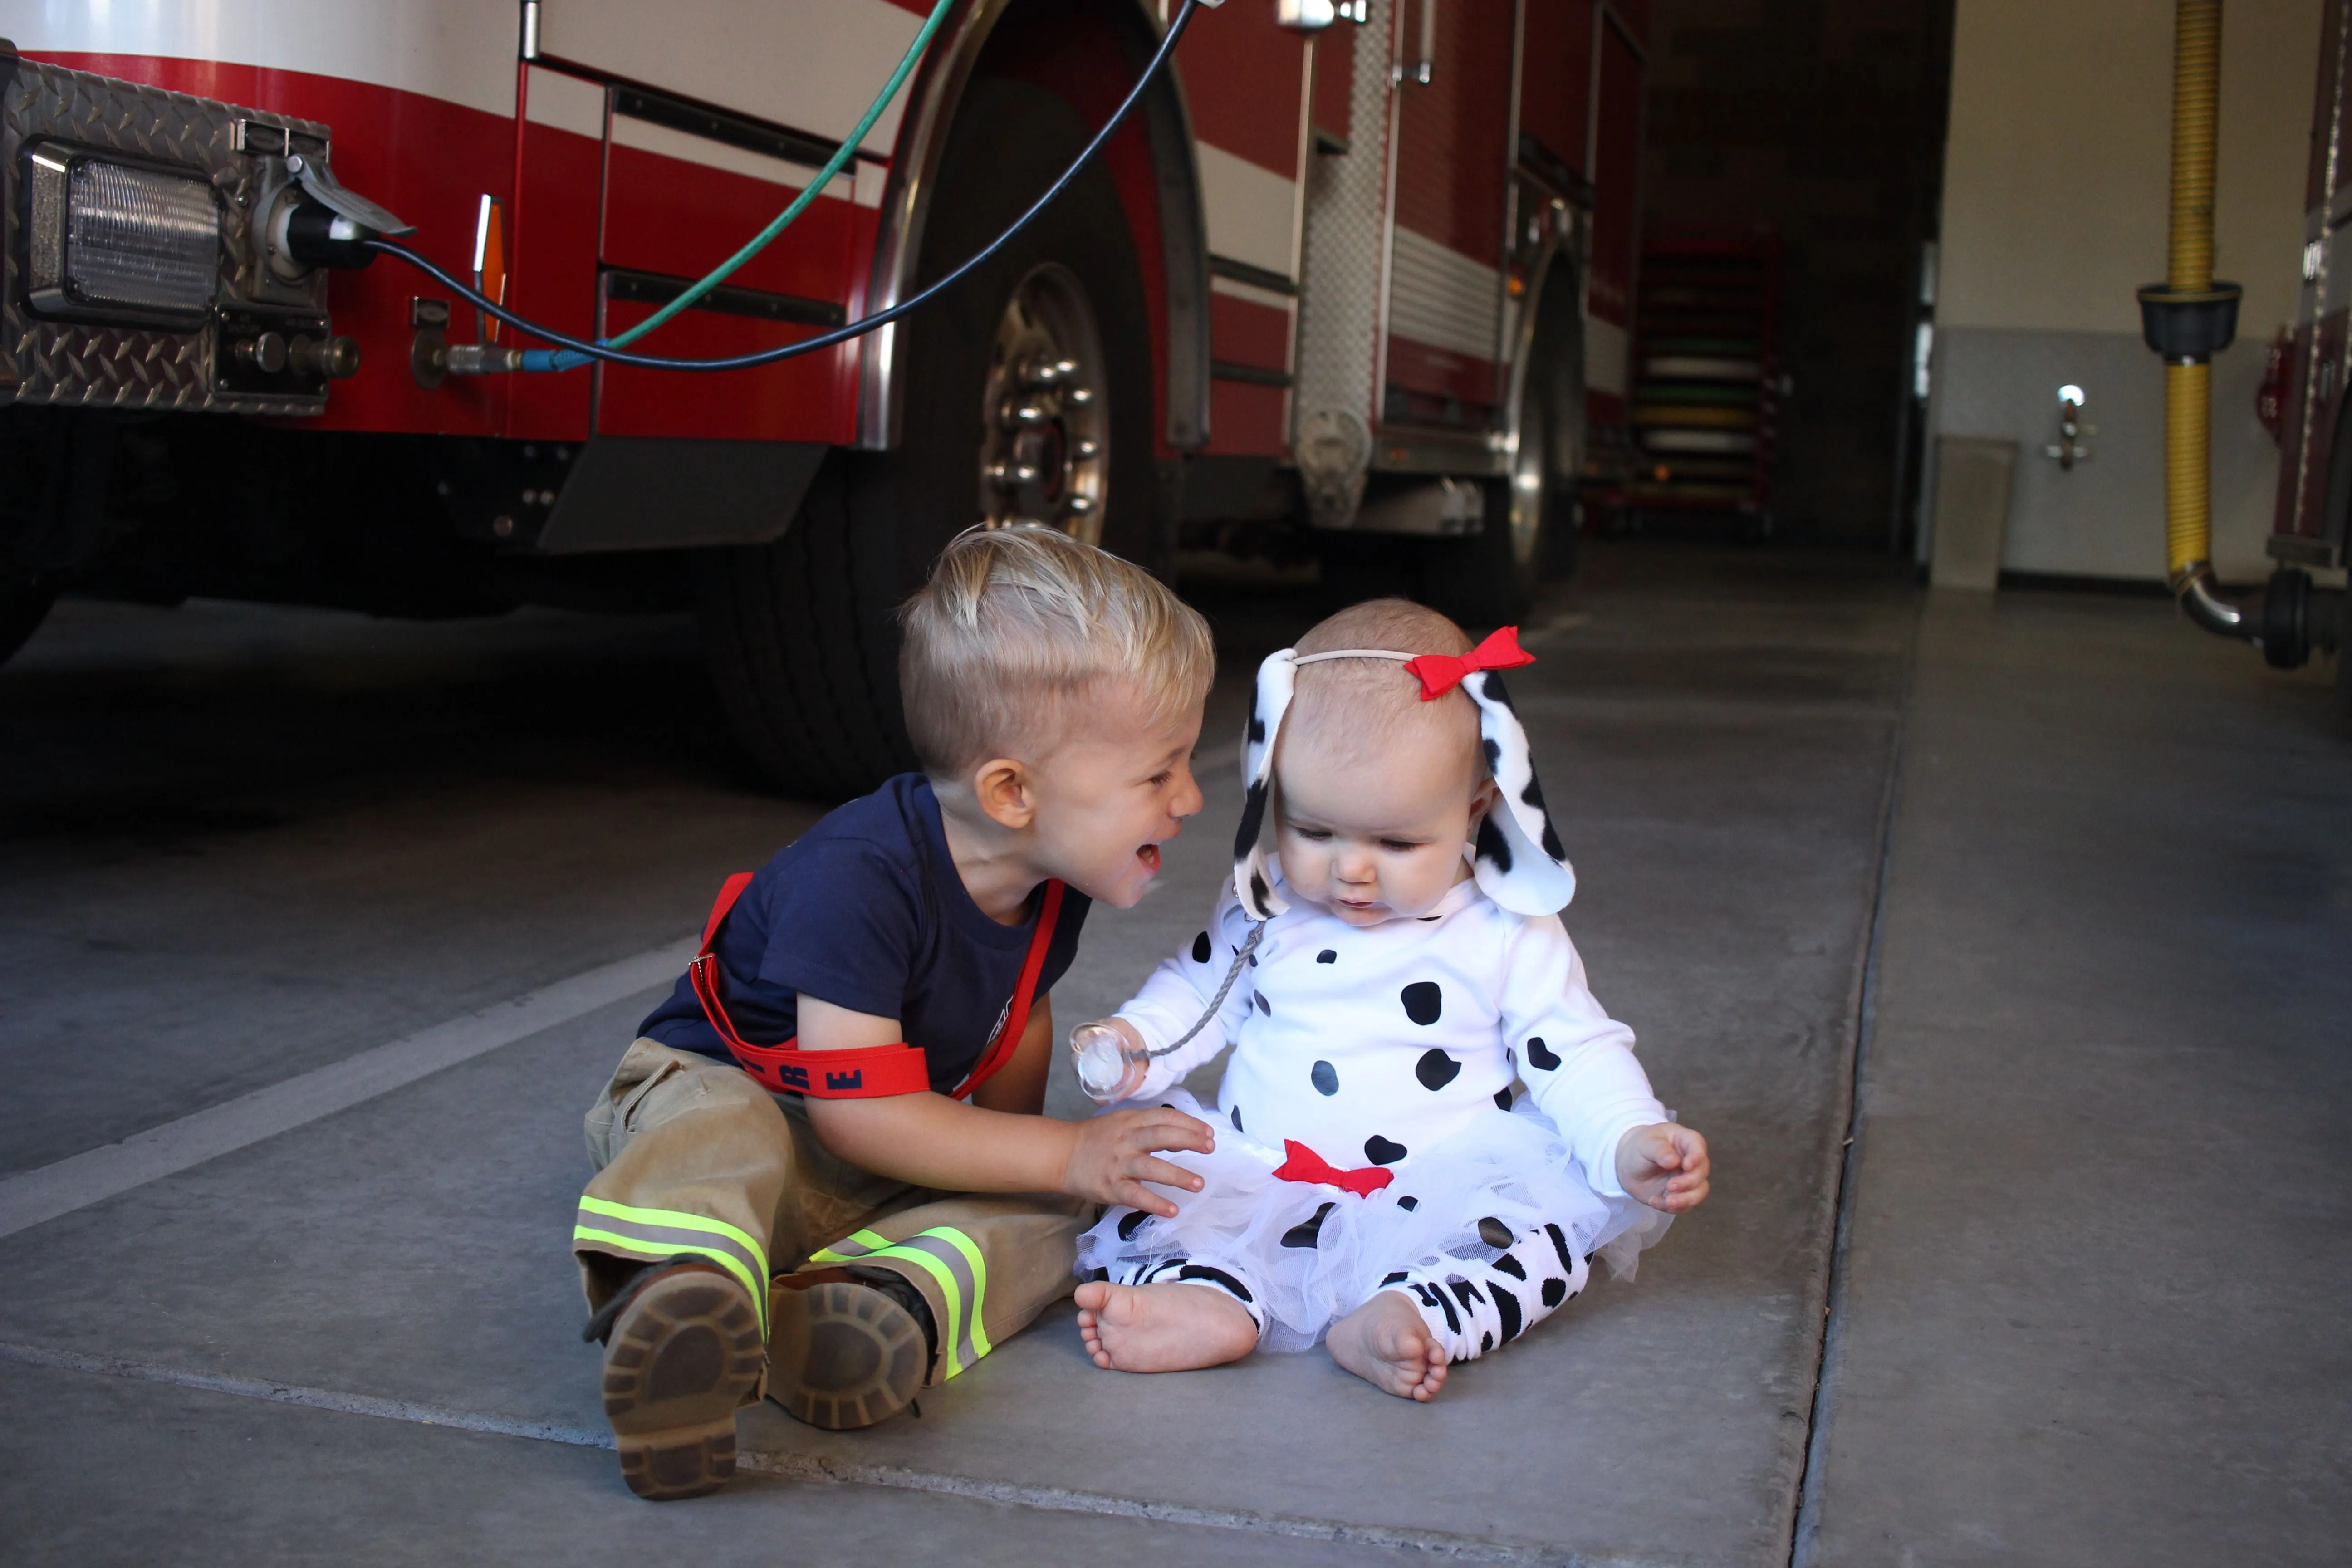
(1510, 1166)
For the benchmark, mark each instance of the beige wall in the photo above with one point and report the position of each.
(2057, 164)
(2055, 185)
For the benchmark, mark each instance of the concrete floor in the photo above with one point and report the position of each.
(2086, 875)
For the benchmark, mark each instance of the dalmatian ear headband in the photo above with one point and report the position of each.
(1519, 861)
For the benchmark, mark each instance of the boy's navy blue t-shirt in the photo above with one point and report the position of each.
(865, 911)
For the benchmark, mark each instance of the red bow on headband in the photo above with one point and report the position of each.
(1440, 672)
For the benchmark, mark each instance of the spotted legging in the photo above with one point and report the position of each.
(1471, 1305)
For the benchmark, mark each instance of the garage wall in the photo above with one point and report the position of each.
(2055, 184)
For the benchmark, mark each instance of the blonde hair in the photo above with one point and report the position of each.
(1018, 627)
(1358, 708)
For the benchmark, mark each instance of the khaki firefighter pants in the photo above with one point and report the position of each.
(695, 1156)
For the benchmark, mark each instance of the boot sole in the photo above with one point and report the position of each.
(845, 1356)
(680, 1361)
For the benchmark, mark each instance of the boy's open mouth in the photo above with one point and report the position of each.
(1150, 856)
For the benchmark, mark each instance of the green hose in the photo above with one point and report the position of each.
(848, 150)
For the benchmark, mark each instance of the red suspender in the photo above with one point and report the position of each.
(873, 1071)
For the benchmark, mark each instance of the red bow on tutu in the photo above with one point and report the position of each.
(1442, 672)
(1304, 1164)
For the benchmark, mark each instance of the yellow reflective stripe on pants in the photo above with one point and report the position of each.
(856, 1244)
(667, 1233)
(971, 1250)
(949, 1256)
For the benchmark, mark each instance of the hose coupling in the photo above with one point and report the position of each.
(480, 359)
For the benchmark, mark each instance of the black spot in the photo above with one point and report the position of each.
(1202, 1271)
(1099, 1274)
(1237, 1118)
(1327, 957)
(1495, 692)
(1259, 892)
(1257, 731)
(1380, 1152)
(1467, 1292)
(1436, 1069)
(1533, 795)
(1304, 1232)
(1503, 1099)
(1559, 1244)
(1395, 1279)
(1540, 1054)
(1435, 1298)
(1253, 819)
(1253, 961)
(1131, 1224)
(1486, 1344)
(1423, 1001)
(1493, 750)
(1492, 845)
(1429, 920)
(1263, 1005)
(1507, 1305)
(1408, 1203)
(1200, 948)
(1554, 1292)
(1326, 1078)
(1495, 1232)
(1507, 1264)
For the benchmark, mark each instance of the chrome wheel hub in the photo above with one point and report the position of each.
(1044, 449)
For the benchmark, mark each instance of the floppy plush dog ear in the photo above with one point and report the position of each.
(1253, 879)
(1518, 860)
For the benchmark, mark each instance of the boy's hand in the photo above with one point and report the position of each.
(1664, 1165)
(1112, 1157)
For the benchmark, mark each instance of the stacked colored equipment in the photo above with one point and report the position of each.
(1705, 382)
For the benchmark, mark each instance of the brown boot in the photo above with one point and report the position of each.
(850, 1349)
(683, 1355)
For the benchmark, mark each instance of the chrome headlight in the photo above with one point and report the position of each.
(119, 242)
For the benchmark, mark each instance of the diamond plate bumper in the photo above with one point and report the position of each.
(92, 364)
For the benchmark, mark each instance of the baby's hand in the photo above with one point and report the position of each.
(1113, 1157)
(1664, 1165)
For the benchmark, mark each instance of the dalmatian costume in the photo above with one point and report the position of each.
(1372, 1136)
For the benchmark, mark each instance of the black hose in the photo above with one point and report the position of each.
(839, 334)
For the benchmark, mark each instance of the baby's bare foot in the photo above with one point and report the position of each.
(1385, 1342)
(1162, 1327)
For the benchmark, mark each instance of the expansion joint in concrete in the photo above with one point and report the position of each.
(1805, 1519)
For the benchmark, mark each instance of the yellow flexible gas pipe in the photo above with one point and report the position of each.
(2192, 296)
(2188, 388)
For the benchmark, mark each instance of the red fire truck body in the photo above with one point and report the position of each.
(2315, 500)
(1373, 277)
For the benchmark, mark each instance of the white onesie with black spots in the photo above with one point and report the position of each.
(1395, 1046)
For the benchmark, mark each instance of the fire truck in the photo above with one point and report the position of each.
(2313, 523)
(1361, 268)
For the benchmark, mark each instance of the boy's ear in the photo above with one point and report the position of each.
(1003, 787)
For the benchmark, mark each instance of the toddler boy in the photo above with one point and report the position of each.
(823, 1169)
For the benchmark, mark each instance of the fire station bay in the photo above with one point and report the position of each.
(1176, 782)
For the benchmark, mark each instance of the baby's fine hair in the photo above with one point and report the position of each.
(1008, 643)
(1362, 707)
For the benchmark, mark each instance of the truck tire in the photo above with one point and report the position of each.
(1040, 361)
(1491, 578)
(25, 602)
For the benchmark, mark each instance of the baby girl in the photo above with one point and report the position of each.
(1390, 967)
